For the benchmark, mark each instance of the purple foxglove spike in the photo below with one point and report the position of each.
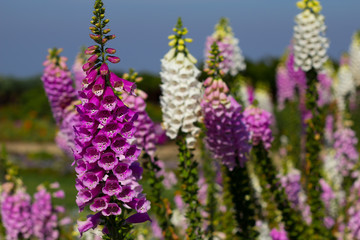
(92, 221)
(128, 86)
(110, 50)
(138, 218)
(100, 203)
(104, 69)
(119, 145)
(116, 82)
(112, 186)
(126, 195)
(137, 170)
(128, 130)
(99, 86)
(112, 209)
(81, 167)
(142, 205)
(132, 153)
(91, 155)
(104, 117)
(113, 59)
(90, 180)
(93, 58)
(101, 142)
(108, 161)
(109, 99)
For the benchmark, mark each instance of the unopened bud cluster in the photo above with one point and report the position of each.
(233, 60)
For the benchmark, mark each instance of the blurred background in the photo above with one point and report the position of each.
(29, 28)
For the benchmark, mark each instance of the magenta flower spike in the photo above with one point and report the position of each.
(233, 60)
(227, 137)
(108, 174)
(145, 128)
(258, 123)
(16, 214)
(57, 83)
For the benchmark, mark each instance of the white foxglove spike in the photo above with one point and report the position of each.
(310, 43)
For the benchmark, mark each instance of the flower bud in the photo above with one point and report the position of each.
(113, 59)
(110, 50)
(104, 69)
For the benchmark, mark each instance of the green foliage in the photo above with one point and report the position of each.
(244, 202)
(160, 205)
(189, 179)
(314, 136)
(294, 225)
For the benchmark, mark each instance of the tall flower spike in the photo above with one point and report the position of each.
(145, 128)
(310, 43)
(258, 122)
(233, 61)
(107, 167)
(228, 141)
(57, 83)
(16, 214)
(227, 138)
(345, 86)
(354, 54)
(181, 91)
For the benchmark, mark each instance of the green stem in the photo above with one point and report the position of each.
(294, 225)
(314, 136)
(244, 202)
(189, 185)
(160, 205)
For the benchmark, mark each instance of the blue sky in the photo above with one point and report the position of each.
(29, 27)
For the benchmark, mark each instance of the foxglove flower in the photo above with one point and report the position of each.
(106, 158)
(278, 234)
(346, 152)
(58, 83)
(345, 87)
(324, 85)
(233, 61)
(181, 91)
(354, 55)
(295, 194)
(227, 138)
(285, 86)
(77, 70)
(65, 136)
(45, 215)
(310, 43)
(327, 196)
(145, 128)
(16, 214)
(258, 123)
